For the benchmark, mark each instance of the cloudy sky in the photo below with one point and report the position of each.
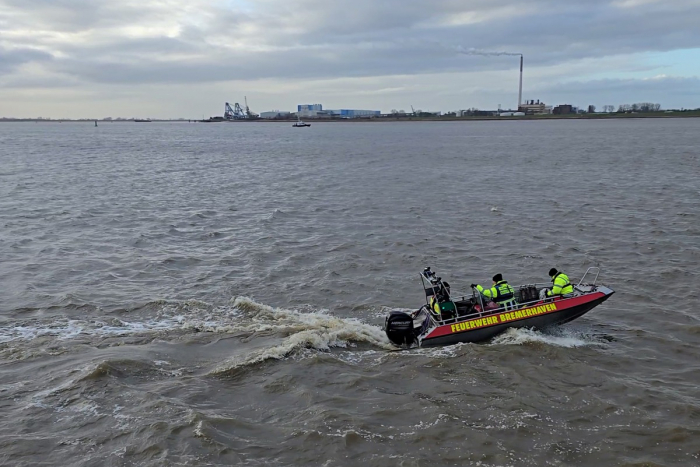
(185, 58)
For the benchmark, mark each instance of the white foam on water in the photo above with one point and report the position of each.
(66, 329)
(448, 351)
(169, 317)
(439, 352)
(315, 330)
(559, 337)
(199, 430)
(363, 357)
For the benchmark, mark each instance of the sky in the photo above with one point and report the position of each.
(186, 58)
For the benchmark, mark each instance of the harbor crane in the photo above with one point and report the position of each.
(237, 112)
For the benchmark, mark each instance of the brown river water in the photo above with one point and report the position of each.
(213, 294)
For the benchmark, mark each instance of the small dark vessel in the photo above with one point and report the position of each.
(466, 319)
(300, 124)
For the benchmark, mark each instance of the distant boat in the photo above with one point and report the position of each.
(300, 124)
(142, 120)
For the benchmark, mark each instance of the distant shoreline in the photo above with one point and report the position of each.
(685, 114)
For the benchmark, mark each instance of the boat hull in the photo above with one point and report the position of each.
(537, 316)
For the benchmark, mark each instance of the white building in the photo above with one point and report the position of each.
(535, 108)
(316, 111)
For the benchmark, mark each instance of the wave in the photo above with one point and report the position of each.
(557, 337)
(66, 329)
(156, 317)
(315, 330)
(299, 330)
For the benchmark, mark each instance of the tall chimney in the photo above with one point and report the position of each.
(520, 92)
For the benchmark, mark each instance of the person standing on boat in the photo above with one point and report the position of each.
(560, 285)
(502, 294)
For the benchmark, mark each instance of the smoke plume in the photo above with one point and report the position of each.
(485, 53)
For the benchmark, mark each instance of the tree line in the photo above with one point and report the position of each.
(639, 107)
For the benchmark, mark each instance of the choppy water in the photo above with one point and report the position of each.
(191, 294)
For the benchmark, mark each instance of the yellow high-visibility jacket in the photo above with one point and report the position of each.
(560, 285)
(500, 293)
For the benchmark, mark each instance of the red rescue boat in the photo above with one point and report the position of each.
(468, 319)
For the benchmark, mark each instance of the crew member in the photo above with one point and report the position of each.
(501, 292)
(441, 303)
(560, 284)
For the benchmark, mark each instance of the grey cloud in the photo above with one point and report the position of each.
(384, 38)
(118, 64)
(79, 15)
(320, 39)
(12, 58)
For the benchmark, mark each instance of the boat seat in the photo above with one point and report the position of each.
(527, 293)
(464, 308)
(448, 311)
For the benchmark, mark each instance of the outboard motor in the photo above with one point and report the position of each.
(399, 328)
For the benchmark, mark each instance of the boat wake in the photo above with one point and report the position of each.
(557, 337)
(264, 333)
(317, 331)
(267, 332)
(153, 318)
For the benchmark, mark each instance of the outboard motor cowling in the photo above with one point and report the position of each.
(399, 328)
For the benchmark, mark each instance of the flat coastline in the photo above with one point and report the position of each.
(442, 118)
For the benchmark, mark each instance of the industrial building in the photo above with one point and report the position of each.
(311, 111)
(564, 109)
(309, 107)
(275, 114)
(476, 113)
(316, 111)
(534, 108)
(354, 113)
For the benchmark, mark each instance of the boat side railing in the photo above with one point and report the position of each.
(482, 312)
